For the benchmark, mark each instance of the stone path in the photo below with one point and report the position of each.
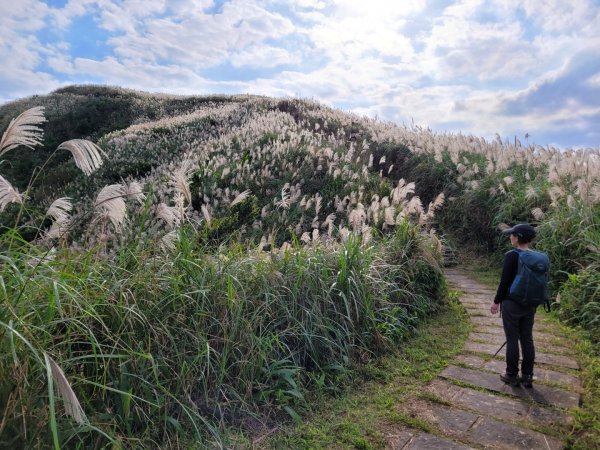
(468, 406)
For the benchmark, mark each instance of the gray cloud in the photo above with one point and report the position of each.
(570, 89)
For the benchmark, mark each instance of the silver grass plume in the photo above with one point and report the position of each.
(344, 233)
(168, 214)
(23, 130)
(285, 197)
(168, 241)
(72, 406)
(315, 235)
(357, 217)
(318, 203)
(60, 208)
(8, 194)
(437, 203)
(400, 192)
(537, 213)
(328, 220)
(414, 206)
(111, 205)
(330, 229)
(58, 230)
(206, 214)
(531, 193)
(87, 155)
(315, 222)
(180, 180)
(389, 219)
(240, 197)
(135, 190)
(180, 208)
(262, 243)
(366, 235)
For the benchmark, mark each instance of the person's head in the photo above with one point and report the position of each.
(521, 234)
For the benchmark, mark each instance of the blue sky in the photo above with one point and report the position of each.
(511, 67)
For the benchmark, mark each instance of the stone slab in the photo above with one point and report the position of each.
(538, 336)
(541, 375)
(478, 312)
(496, 321)
(489, 329)
(540, 357)
(476, 301)
(477, 306)
(399, 439)
(451, 421)
(499, 435)
(546, 395)
(425, 441)
(499, 407)
(467, 303)
(483, 431)
(479, 294)
(545, 346)
(418, 440)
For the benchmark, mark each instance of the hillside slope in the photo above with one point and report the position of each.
(226, 254)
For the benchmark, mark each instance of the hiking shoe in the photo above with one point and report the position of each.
(513, 380)
(526, 381)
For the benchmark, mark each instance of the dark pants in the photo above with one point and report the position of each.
(518, 326)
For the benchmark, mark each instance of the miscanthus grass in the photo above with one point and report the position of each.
(143, 293)
(172, 349)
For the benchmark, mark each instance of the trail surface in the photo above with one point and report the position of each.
(468, 406)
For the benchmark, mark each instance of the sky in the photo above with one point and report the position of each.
(525, 69)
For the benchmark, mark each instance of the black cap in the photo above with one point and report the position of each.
(522, 230)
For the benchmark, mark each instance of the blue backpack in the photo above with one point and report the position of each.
(530, 286)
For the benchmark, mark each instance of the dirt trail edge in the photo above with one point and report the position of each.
(468, 406)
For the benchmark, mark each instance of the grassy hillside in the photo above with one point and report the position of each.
(226, 254)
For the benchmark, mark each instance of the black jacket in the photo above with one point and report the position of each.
(509, 272)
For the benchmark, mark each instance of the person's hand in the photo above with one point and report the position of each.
(494, 308)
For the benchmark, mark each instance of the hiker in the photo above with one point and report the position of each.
(519, 304)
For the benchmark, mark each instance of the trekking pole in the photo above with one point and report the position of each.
(502, 346)
(487, 360)
(498, 351)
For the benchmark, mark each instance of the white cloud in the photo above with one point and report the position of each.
(315, 4)
(594, 80)
(62, 17)
(197, 39)
(21, 52)
(556, 16)
(262, 57)
(356, 28)
(475, 65)
(25, 15)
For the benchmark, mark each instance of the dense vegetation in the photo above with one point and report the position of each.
(229, 253)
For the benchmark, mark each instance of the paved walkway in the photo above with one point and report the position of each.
(468, 406)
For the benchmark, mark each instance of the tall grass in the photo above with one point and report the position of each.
(563, 204)
(169, 327)
(167, 350)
